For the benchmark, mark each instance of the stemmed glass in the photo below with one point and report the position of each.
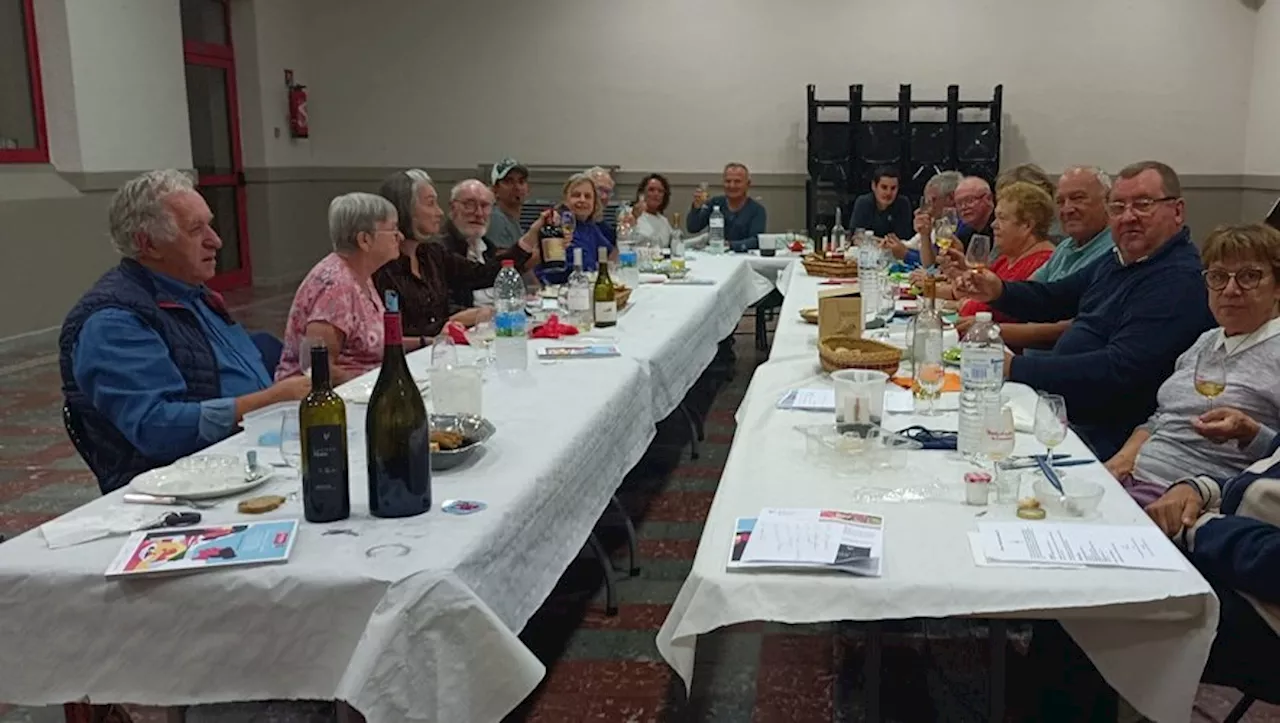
(481, 336)
(998, 444)
(1051, 423)
(1211, 373)
(290, 439)
(978, 252)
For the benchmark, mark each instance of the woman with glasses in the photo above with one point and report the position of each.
(337, 303)
(1235, 426)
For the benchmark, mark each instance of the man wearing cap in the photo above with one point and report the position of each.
(510, 182)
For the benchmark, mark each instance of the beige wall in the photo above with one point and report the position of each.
(686, 87)
(1262, 140)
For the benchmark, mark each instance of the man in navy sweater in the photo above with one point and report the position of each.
(1134, 311)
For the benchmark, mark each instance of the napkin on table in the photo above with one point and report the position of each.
(552, 329)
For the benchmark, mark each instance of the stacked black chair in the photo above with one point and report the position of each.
(920, 137)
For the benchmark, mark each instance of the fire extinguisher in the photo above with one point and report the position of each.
(298, 127)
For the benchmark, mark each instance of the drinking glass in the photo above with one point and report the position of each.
(1211, 373)
(978, 252)
(304, 355)
(481, 336)
(291, 439)
(567, 225)
(998, 444)
(888, 298)
(456, 388)
(951, 218)
(1051, 423)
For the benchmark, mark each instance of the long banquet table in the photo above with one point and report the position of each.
(406, 620)
(1148, 633)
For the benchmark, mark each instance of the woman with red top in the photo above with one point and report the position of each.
(1024, 213)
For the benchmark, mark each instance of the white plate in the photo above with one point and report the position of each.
(360, 392)
(199, 477)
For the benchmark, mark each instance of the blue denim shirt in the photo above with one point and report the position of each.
(123, 366)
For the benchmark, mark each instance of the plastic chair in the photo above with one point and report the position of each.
(270, 348)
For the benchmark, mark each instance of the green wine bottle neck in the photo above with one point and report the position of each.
(320, 367)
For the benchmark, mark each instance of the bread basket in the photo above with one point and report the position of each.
(839, 352)
(621, 295)
(830, 268)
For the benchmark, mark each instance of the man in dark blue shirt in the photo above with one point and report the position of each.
(744, 217)
(883, 212)
(1135, 311)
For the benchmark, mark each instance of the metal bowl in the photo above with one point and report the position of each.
(476, 429)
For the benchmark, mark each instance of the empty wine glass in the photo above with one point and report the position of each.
(1211, 373)
(978, 252)
(998, 444)
(481, 336)
(290, 439)
(1051, 423)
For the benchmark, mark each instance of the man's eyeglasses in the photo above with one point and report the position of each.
(471, 206)
(1247, 279)
(1140, 206)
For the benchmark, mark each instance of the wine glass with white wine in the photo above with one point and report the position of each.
(1211, 373)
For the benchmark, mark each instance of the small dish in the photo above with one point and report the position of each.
(359, 392)
(475, 430)
(1082, 496)
(867, 447)
(200, 477)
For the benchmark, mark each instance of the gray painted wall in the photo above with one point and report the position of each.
(55, 240)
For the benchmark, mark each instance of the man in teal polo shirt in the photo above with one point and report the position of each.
(1082, 211)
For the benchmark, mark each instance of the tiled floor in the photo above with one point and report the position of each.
(603, 668)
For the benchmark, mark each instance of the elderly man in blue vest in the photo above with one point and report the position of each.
(153, 367)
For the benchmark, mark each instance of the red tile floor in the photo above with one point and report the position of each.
(601, 668)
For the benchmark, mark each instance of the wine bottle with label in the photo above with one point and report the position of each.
(398, 431)
(606, 302)
(322, 427)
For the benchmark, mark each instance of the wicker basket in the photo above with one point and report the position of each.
(621, 295)
(828, 268)
(839, 352)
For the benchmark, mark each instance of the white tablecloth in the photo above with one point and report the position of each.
(1148, 632)
(426, 635)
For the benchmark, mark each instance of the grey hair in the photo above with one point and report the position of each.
(945, 183)
(138, 209)
(595, 172)
(460, 186)
(1098, 174)
(354, 213)
(597, 210)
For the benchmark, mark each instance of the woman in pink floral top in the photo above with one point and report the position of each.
(337, 303)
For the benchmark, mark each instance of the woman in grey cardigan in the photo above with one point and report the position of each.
(1185, 437)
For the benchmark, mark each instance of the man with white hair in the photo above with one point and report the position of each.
(153, 367)
(470, 206)
(939, 194)
(1082, 212)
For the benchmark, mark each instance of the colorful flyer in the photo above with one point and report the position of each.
(205, 547)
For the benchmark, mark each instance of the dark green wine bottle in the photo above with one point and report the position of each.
(322, 426)
(398, 432)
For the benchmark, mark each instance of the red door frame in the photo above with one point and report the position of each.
(223, 58)
(40, 153)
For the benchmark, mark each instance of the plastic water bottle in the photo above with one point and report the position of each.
(981, 378)
(715, 238)
(511, 341)
(868, 255)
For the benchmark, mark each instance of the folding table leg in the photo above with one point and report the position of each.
(691, 418)
(610, 594)
(997, 635)
(871, 674)
(632, 568)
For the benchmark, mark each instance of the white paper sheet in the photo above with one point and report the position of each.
(980, 559)
(1130, 546)
(809, 400)
(816, 537)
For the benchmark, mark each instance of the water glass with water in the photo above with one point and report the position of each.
(291, 439)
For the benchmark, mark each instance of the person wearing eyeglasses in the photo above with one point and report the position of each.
(337, 303)
(1184, 437)
(1133, 312)
(470, 207)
